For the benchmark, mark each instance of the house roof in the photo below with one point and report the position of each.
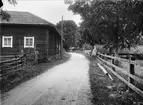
(24, 18)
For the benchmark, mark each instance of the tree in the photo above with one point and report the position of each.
(69, 31)
(13, 2)
(4, 14)
(1, 3)
(79, 40)
(115, 23)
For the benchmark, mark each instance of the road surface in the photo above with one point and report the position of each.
(65, 84)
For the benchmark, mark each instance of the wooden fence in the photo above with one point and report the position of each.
(114, 69)
(11, 66)
(137, 56)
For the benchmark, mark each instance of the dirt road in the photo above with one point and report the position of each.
(65, 84)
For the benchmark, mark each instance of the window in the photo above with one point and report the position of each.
(7, 41)
(29, 42)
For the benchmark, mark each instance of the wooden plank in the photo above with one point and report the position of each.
(14, 59)
(7, 56)
(107, 56)
(121, 59)
(11, 72)
(8, 61)
(13, 67)
(131, 71)
(11, 63)
(123, 71)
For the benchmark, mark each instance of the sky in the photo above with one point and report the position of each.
(50, 10)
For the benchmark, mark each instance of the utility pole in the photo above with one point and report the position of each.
(62, 37)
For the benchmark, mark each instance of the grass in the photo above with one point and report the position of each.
(107, 92)
(138, 49)
(28, 72)
(138, 71)
(138, 67)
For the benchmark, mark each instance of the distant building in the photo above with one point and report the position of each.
(26, 33)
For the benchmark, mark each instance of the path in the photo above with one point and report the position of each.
(65, 84)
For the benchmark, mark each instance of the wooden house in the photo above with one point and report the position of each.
(25, 33)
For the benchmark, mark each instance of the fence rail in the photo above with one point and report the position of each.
(138, 56)
(118, 58)
(131, 74)
(10, 66)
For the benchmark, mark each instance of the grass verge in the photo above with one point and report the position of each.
(107, 92)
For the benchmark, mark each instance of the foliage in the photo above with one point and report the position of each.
(4, 14)
(141, 41)
(117, 24)
(13, 2)
(79, 41)
(87, 46)
(1, 3)
(69, 31)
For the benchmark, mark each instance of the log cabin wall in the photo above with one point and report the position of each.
(47, 41)
(58, 40)
(18, 34)
(54, 44)
(0, 43)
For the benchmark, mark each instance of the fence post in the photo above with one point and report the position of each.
(97, 54)
(131, 71)
(113, 62)
(103, 56)
(100, 56)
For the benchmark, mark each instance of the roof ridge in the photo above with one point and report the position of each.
(15, 11)
(25, 17)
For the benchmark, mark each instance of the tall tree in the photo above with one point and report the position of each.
(13, 2)
(69, 31)
(4, 14)
(116, 23)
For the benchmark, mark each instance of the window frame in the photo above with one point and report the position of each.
(11, 42)
(27, 37)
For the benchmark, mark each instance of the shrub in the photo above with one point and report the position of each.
(87, 46)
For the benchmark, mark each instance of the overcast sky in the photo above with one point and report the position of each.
(51, 10)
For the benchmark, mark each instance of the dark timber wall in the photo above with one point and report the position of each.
(54, 44)
(46, 40)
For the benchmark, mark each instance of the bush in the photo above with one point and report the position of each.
(87, 46)
(101, 49)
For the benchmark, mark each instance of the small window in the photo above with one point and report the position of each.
(7, 41)
(29, 42)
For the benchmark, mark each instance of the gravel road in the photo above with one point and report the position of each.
(65, 84)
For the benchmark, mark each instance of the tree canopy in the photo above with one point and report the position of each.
(3, 13)
(116, 23)
(69, 31)
(13, 2)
